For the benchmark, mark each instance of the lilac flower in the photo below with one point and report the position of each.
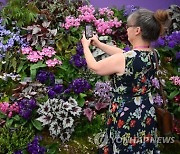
(158, 100)
(155, 83)
(34, 147)
(129, 9)
(103, 90)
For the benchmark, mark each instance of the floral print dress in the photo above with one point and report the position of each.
(131, 124)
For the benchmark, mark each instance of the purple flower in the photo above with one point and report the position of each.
(18, 152)
(79, 49)
(58, 88)
(127, 48)
(45, 77)
(155, 83)
(171, 44)
(129, 9)
(158, 100)
(34, 147)
(26, 107)
(178, 55)
(79, 85)
(78, 61)
(51, 93)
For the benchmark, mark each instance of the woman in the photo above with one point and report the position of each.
(131, 125)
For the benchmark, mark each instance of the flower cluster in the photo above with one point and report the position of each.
(103, 90)
(46, 77)
(155, 83)
(87, 14)
(175, 80)
(9, 38)
(78, 86)
(78, 60)
(34, 146)
(35, 56)
(9, 109)
(58, 115)
(106, 12)
(14, 77)
(56, 89)
(171, 40)
(26, 107)
(157, 99)
(129, 9)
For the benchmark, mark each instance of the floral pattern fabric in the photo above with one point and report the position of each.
(131, 124)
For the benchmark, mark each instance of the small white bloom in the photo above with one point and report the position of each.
(76, 111)
(45, 119)
(137, 100)
(137, 113)
(72, 101)
(67, 106)
(68, 122)
(61, 115)
(128, 72)
(55, 128)
(65, 137)
(130, 54)
(150, 98)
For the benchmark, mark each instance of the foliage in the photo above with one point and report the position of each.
(21, 11)
(12, 139)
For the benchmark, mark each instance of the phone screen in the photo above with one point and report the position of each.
(89, 31)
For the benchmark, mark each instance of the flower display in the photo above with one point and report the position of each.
(46, 88)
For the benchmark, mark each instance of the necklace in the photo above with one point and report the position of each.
(145, 46)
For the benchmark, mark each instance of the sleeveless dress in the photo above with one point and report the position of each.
(131, 123)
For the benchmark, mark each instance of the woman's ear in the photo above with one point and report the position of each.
(137, 30)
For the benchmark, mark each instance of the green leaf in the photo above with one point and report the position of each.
(173, 94)
(16, 117)
(20, 66)
(37, 124)
(37, 65)
(2, 116)
(81, 99)
(9, 122)
(33, 73)
(14, 63)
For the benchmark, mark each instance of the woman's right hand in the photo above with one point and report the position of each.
(95, 41)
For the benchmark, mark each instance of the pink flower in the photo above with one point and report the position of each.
(175, 80)
(49, 52)
(53, 62)
(34, 56)
(26, 50)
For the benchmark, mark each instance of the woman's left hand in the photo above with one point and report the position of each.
(85, 42)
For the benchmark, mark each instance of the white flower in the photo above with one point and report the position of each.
(128, 72)
(76, 111)
(61, 115)
(137, 113)
(68, 122)
(72, 101)
(137, 100)
(44, 109)
(55, 128)
(67, 106)
(65, 136)
(150, 98)
(45, 119)
(130, 54)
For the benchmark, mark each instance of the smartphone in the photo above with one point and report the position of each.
(88, 31)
